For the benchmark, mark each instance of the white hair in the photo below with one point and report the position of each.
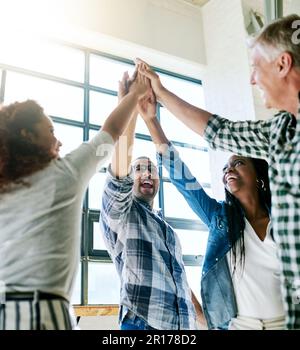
(276, 38)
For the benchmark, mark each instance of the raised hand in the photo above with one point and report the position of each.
(118, 119)
(145, 70)
(126, 82)
(140, 85)
(147, 107)
(123, 86)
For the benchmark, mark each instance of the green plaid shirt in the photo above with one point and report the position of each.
(278, 141)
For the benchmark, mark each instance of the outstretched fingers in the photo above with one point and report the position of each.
(123, 86)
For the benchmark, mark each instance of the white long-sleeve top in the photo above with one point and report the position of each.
(40, 225)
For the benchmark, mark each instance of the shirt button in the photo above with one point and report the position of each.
(217, 259)
(288, 147)
(278, 206)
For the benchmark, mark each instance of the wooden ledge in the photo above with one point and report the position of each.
(96, 310)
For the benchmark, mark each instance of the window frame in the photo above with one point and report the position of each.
(89, 216)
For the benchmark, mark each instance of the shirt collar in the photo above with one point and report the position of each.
(148, 206)
(145, 204)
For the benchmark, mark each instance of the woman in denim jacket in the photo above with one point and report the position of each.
(240, 286)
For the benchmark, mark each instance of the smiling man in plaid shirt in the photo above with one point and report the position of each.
(276, 71)
(145, 250)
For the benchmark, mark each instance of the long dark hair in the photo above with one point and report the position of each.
(235, 212)
(19, 157)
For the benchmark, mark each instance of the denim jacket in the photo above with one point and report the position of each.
(217, 293)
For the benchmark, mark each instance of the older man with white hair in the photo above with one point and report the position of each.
(276, 71)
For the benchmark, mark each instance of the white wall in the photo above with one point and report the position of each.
(227, 90)
(226, 77)
(291, 6)
(164, 25)
(168, 33)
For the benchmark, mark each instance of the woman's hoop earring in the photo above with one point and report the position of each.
(261, 184)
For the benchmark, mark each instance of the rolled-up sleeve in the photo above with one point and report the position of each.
(117, 199)
(89, 157)
(246, 138)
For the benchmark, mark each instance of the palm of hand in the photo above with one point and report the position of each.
(147, 108)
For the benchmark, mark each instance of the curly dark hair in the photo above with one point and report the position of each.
(19, 157)
(235, 213)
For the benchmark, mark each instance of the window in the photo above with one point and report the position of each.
(104, 284)
(101, 105)
(177, 131)
(105, 72)
(76, 296)
(57, 99)
(44, 57)
(79, 97)
(70, 136)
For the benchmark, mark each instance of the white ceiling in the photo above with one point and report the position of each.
(197, 2)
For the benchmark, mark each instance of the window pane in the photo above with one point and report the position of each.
(103, 284)
(57, 99)
(49, 58)
(101, 105)
(141, 127)
(76, 295)
(144, 148)
(188, 91)
(98, 237)
(156, 202)
(197, 161)
(175, 204)
(193, 274)
(70, 137)
(106, 73)
(95, 190)
(177, 131)
(192, 242)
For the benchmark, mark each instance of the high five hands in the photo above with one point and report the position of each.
(146, 106)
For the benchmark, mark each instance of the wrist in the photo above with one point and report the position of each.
(151, 119)
(160, 92)
(134, 94)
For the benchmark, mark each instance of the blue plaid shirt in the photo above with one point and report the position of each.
(278, 141)
(148, 258)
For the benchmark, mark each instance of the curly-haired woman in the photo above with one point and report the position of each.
(40, 210)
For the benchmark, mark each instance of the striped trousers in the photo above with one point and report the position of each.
(36, 315)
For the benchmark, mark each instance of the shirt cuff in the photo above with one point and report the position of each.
(171, 154)
(210, 132)
(101, 138)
